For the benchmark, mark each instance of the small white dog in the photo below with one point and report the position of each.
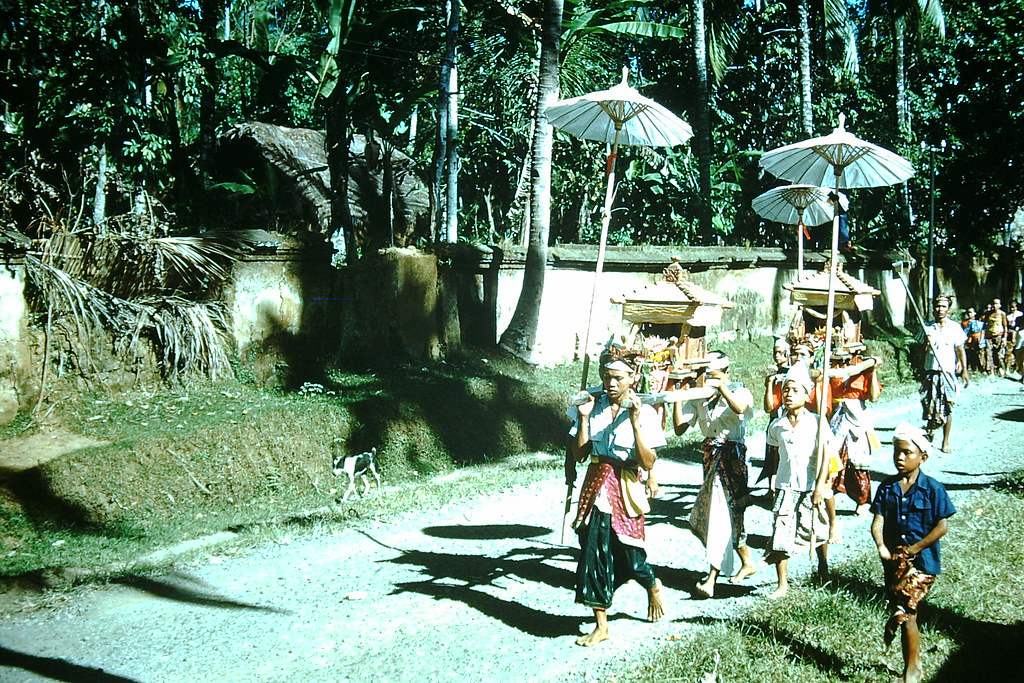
(356, 466)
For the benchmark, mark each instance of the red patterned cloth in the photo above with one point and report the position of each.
(604, 474)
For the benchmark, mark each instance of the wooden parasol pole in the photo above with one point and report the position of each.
(570, 461)
(830, 308)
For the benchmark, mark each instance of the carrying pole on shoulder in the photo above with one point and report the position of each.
(920, 318)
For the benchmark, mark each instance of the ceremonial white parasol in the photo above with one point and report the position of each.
(617, 116)
(798, 205)
(842, 161)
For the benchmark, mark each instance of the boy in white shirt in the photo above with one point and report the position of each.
(801, 480)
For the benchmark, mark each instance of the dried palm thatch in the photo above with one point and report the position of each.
(190, 337)
(128, 289)
(389, 201)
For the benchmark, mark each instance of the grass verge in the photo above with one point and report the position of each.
(971, 621)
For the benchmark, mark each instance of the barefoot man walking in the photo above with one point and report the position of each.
(618, 435)
(717, 515)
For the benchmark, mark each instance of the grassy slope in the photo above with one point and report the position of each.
(970, 622)
(185, 462)
(182, 463)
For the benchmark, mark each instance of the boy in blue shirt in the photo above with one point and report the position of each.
(910, 512)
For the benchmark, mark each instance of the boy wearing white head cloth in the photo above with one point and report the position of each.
(717, 514)
(801, 479)
(910, 512)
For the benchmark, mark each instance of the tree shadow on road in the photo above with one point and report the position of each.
(184, 588)
(56, 669)
(673, 505)
(1015, 415)
(685, 580)
(460, 578)
(486, 532)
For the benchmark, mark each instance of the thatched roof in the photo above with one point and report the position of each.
(682, 293)
(300, 155)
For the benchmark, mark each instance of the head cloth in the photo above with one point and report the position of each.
(907, 432)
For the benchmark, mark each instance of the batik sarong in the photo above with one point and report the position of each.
(939, 393)
(856, 440)
(795, 524)
(725, 462)
(906, 587)
(611, 544)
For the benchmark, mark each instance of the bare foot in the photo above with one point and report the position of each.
(705, 588)
(946, 448)
(778, 593)
(655, 604)
(593, 638)
(862, 509)
(745, 571)
(835, 536)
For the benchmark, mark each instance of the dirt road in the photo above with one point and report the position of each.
(477, 591)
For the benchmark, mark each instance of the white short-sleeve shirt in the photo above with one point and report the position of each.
(941, 354)
(612, 435)
(716, 419)
(797, 444)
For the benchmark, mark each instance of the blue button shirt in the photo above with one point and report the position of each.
(909, 517)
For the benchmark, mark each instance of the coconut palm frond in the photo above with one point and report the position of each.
(191, 335)
(60, 291)
(199, 256)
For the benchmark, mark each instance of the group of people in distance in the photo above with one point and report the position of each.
(619, 436)
(995, 339)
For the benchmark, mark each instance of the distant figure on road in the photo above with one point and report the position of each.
(976, 346)
(618, 435)
(997, 327)
(944, 360)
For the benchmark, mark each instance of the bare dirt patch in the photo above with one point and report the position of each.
(23, 453)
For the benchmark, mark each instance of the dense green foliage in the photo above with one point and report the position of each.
(151, 85)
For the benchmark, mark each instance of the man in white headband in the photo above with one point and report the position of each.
(910, 511)
(618, 441)
(944, 360)
(717, 514)
(801, 375)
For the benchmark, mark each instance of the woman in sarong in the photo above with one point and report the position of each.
(717, 514)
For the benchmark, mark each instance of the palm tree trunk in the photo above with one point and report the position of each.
(900, 65)
(804, 52)
(899, 31)
(99, 204)
(447, 172)
(702, 129)
(521, 334)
